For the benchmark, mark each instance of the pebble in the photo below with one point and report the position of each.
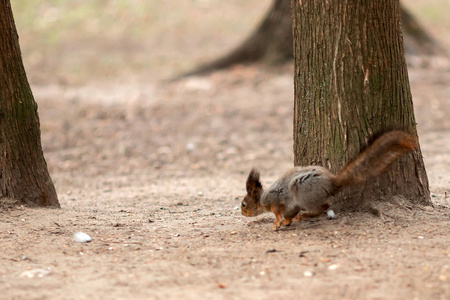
(81, 237)
(331, 214)
(190, 146)
(35, 273)
(333, 267)
(308, 274)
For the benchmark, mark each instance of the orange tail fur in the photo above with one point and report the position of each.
(376, 158)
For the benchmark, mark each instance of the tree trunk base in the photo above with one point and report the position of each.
(8, 204)
(23, 173)
(388, 209)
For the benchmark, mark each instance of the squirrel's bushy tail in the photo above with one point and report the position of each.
(376, 158)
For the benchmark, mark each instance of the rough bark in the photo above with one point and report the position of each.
(351, 83)
(23, 171)
(272, 41)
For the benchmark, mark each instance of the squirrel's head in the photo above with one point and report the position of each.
(251, 206)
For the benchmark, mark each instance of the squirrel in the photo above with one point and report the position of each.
(311, 188)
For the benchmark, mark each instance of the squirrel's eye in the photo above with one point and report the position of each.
(243, 204)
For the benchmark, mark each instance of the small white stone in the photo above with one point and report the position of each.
(198, 84)
(333, 267)
(308, 274)
(190, 146)
(81, 237)
(331, 214)
(35, 273)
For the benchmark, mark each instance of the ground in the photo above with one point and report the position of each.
(154, 171)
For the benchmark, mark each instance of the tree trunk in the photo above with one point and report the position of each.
(23, 171)
(351, 83)
(272, 41)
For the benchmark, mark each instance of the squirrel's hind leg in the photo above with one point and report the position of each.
(307, 215)
(313, 214)
(290, 216)
(287, 221)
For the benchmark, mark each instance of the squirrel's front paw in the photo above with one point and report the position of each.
(276, 225)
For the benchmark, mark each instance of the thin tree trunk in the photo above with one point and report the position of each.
(23, 171)
(351, 83)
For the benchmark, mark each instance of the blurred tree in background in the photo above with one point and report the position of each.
(272, 40)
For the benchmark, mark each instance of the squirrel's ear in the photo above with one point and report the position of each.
(253, 183)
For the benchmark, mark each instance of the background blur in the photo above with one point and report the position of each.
(76, 41)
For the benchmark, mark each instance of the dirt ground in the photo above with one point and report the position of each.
(154, 172)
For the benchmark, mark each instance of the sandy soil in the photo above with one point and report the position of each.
(154, 173)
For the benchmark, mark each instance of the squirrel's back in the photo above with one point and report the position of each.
(376, 158)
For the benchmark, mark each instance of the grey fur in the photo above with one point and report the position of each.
(301, 188)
